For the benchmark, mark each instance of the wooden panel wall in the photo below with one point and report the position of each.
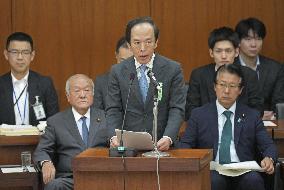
(79, 36)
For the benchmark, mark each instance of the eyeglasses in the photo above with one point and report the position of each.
(229, 86)
(87, 91)
(139, 44)
(16, 53)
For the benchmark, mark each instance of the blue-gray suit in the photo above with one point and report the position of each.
(250, 136)
(139, 115)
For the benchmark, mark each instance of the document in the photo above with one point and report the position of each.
(137, 140)
(269, 124)
(235, 169)
(18, 130)
(18, 169)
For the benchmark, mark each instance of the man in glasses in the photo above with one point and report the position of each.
(223, 48)
(142, 37)
(234, 131)
(26, 96)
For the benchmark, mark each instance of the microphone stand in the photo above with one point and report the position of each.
(155, 153)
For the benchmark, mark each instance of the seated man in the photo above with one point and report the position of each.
(122, 52)
(21, 89)
(270, 73)
(234, 131)
(223, 48)
(70, 132)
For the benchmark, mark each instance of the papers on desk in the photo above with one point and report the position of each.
(137, 140)
(235, 169)
(18, 130)
(269, 124)
(17, 169)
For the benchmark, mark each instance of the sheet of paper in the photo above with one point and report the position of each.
(137, 140)
(269, 124)
(17, 169)
(235, 169)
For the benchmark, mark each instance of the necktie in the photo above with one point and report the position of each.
(143, 83)
(224, 151)
(85, 132)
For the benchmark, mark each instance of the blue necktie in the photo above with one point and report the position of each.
(143, 83)
(85, 132)
(224, 152)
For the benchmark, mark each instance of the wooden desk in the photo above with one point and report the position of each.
(12, 146)
(185, 169)
(25, 180)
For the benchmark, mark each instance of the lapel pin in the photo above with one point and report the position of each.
(98, 119)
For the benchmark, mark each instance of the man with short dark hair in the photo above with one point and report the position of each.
(26, 97)
(122, 52)
(270, 73)
(69, 133)
(223, 48)
(142, 36)
(233, 130)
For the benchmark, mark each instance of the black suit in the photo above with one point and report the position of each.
(38, 85)
(201, 89)
(101, 91)
(271, 80)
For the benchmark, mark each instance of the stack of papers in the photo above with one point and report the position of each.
(235, 169)
(136, 140)
(17, 169)
(18, 130)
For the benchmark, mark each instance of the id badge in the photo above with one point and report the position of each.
(39, 111)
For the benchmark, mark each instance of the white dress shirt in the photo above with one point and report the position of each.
(21, 109)
(221, 121)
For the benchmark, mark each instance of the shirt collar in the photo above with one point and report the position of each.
(221, 109)
(149, 65)
(24, 79)
(244, 64)
(78, 116)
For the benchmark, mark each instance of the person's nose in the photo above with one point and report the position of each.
(143, 46)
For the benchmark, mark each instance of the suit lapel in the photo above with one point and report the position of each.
(210, 82)
(213, 117)
(238, 124)
(130, 68)
(94, 127)
(262, 72)
(158, 67)
(72, 127)
(9, 97)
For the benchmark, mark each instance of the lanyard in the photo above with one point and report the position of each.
(16, 102)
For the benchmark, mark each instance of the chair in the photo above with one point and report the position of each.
(280, 110)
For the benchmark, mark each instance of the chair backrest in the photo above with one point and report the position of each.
(280, 110)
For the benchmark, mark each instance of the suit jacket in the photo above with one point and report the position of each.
(101, 91)
(62, 140)
(271, 80)
(201, 89)
(38, 85)
(139, 116)
(250, 135)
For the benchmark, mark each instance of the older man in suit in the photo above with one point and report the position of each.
(234, 131)
(70, 132)
(25, 96)
(223, 48)
(270, 73)
(142, 37)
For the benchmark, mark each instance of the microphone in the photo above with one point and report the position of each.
(153, 78)
(122, 151)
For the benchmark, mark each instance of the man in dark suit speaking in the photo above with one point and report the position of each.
(142, 37)
(233, 130)
(26, 97)
(70, 132)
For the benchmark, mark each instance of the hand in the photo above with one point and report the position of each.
(114, 142)
(267, 165)
(164, 144)
(48, 172)
(268, 115)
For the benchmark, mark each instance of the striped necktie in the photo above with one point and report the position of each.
(85, 132)
(143, 83)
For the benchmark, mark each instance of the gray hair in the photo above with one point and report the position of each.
(76, 76)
